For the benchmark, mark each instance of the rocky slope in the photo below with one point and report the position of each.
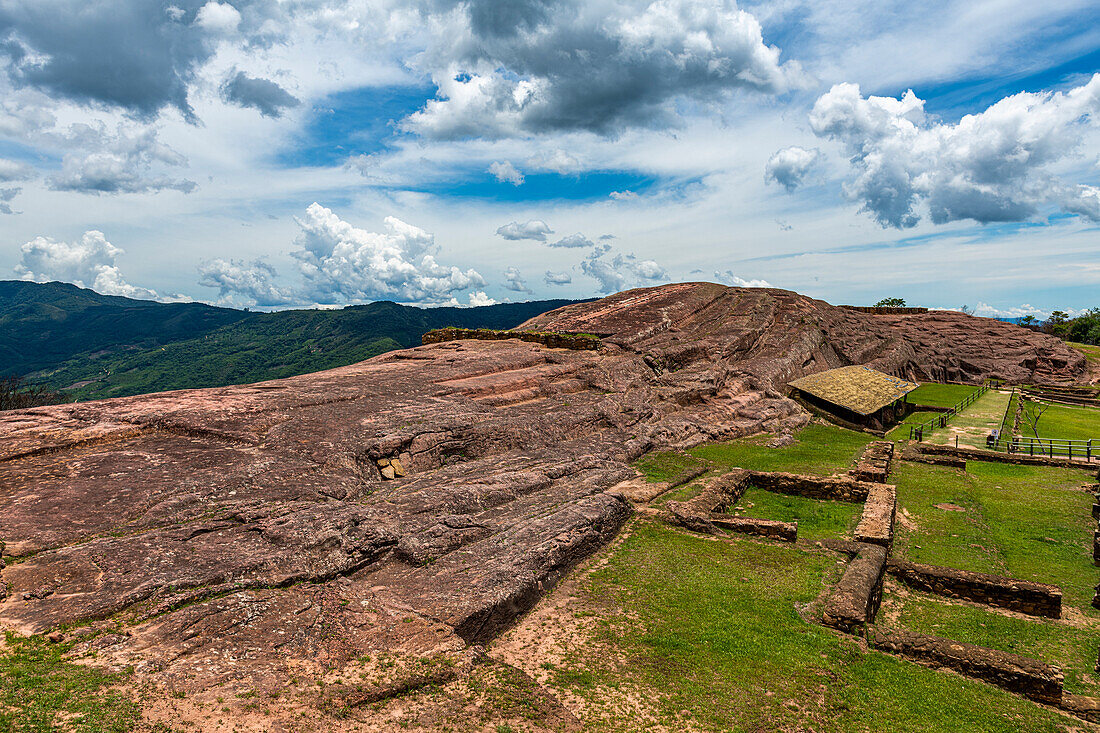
(247, 531)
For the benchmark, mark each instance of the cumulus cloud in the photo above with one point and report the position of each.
(479, 298)
(126, 162)
(514, 281)
(1019, 311)
(573, 241)
(535, 229)
(245, 284)
(217, 17)
(727, 277)
(260, 94)
(13, 170)
(989, 167)
(603, 66)
(789, 166)
(506, 173)
(621, 271)
(557, 161)
(623, 195)
(88, 262)
(130, 54)
(557, 278)
(6, 196)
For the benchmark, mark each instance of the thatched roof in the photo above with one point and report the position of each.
(857, 388)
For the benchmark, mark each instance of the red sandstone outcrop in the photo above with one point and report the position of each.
(249, 529)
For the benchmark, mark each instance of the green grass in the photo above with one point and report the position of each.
(816, 519)
(666, 465)
(901, 432)
(1056, 642)
(1067, 423)
(709, 632)
(40, 691)
(820, 450)
(974, 424)
(1027, 522)
(940, 395)
(1091, 352)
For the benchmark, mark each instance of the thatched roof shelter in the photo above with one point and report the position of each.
(857, 388)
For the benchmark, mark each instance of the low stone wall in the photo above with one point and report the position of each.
(915, 456)
(974, 454)
(904, 311)
(1029, 677)
(582, 342)
(854, 600)
(783, 531)
(840, 488)
(876, 526)
(1035, 599)
(874, 463)
(1096, 547)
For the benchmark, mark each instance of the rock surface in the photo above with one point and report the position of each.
(248, 530)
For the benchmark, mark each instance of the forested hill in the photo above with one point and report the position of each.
(94, 346)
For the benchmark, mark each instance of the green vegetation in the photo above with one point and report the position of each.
(820, 449)
(974, 424)
(1073, 647)
(891, 303)
(710, 633)
(667, 465)
(1084, 329)
(1091, 351)
(40, 691)
(940, 395)
(1065, 422)
(94, 346)
(1027, 522)
(901, 432)
(816, 519)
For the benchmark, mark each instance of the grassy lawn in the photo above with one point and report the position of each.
(1092, 353)
(1068, 423)
(816, 519)
(977, 421)
(1072, 648)
(820, 450)
(708, 634)
(40, 691)
(901, 432)
(940, 395)
(1027, 522)
(666, 465)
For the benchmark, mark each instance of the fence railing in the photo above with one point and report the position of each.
(1050, 447)
(917, 432)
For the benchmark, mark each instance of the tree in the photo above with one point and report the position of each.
(1057, 318)
(891, 303)
(1027, 320)
(16, 393)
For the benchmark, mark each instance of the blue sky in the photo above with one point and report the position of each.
(287, 155)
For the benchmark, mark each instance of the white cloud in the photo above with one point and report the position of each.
(245, 284)
(479, 298)
(13, 170)
(1019, 311)
(340, 262)
(728, 278)
(623, 195)
(789, 166)
(989, 167)
(557, 278)
(557, 161)
(6, 197)
(535, 229)
(128, 161)
(89, 263)
(216, 17)
(622, 271)
(514, 281)
(596, 65)
(573, 241)
(506, 173)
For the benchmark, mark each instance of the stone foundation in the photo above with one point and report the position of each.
(975, 454)
(874, 463)
(836, 488)
(1029, 677)
(913, 455)
(582, 342)
(876, 526)
(1035, 599)
(855, 599)
(783, 531)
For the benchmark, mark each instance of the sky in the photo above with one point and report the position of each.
(296, 153)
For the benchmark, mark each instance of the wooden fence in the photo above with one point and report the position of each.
(917, 432)
(1051, 447)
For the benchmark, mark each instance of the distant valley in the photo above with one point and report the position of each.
(93, 346)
